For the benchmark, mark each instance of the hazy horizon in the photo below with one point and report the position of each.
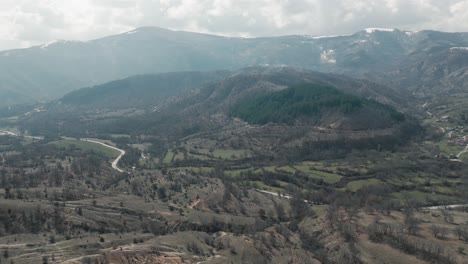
(221, 35)
(30, 23)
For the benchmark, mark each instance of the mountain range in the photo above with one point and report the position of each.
(420, 62)
(264, 103)
(160, 146)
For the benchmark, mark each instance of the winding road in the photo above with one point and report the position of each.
(115, 163)
(9, 133)
(463, 152)
(444, 207)
(274, 193)
(278, 195)
(439, 207)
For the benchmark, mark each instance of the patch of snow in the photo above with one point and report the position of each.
(328, 56)
(411, 33)
(372, 30)
(361, 41)
(36, 110)
(131, 32)
(324, 37)
(459, 48)
(54, 42)
(48, 44)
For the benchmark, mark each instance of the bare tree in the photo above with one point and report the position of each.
(448, 217)
(435, 230)
(439, 231)
(280, 212)
(331, 214)
(444, 232)
(411, 222)
(462, 232)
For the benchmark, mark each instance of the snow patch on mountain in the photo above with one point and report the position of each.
(328, 56)
(372, 30)
(411, 33)
(459, 48)
(131, 32)
(360, 41)
(55, 42)
(48, 44)
(325, 37)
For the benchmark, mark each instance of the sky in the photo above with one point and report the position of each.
(25, 23)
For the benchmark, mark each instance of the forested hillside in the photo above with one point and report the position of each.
(142, 91)
(311, 102)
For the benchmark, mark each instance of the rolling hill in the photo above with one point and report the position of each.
(265, 108)
(317, 105)
(141, 92)
(394, 57)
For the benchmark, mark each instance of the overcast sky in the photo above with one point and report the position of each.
(30, 22)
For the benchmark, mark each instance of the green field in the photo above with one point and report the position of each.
(235, 173)
(195, 169)
(168, 158)
(356, 185)
(327, 177)
(266, 169)
(179, 156)
(205, 154)
(228, 154)
(67, 143)
(120, 136)
(288, 169)
(422, 197)
(261, 185)
(448, 149)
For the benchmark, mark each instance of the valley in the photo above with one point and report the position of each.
(337, 151)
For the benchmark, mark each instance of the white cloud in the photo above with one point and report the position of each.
(31, 22)
(459, 16)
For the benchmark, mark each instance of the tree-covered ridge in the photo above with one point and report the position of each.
(304, 101)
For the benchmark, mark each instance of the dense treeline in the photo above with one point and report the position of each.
(169, 125)
(306, 100)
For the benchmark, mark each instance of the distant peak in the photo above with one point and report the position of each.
(372, 30)
(146, 29)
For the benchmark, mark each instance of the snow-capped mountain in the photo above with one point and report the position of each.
(392, 56)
